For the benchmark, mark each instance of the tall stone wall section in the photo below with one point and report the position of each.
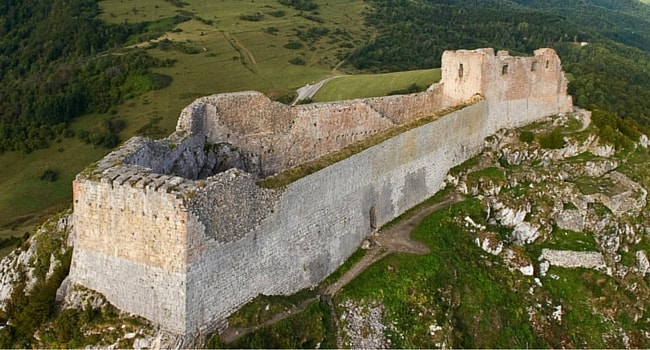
(186, 251)
(132, 236)
(319, 220)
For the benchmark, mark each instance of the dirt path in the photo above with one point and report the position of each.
(393, 239)
(396, 238)
(248, 60)
(586, 119)
(232, 334)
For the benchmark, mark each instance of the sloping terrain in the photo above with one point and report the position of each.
(549, 251)
(539, 241)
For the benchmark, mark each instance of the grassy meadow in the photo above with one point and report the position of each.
(373, 85)
(26, 199)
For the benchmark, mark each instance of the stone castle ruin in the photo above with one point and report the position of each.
(178, 231)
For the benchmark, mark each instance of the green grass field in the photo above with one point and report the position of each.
(373, 85)
(25, 199)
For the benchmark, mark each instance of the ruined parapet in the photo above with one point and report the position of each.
(178, 231)
(519, 89)
(270, 137)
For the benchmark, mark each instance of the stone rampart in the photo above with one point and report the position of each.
(274, 136)
(177, 230)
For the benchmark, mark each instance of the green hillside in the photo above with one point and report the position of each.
(78, 77)
(103, 83)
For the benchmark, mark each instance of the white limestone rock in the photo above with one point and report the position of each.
(527, 270)
(490, 245)
(363, 326)
(569, 258)
(510, 217)
(141, 343)
(642, 262)
(570, 220)
(543, 267)
(525, 233)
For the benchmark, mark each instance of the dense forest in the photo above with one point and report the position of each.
(57, 61)
(611, 72)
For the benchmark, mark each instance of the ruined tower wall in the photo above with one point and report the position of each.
(519, 89)
(278, 137)
(131, 235)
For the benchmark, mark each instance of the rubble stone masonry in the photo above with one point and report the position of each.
(178, 231)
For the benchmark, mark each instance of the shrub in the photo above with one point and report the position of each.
(302, 5)
(293, 45)
(255, 17)
(552, 140)
(286, 98)
(271, 30)
(527, 136)
(413, 88)
(298, 61)
(277, 14)
(49, 175)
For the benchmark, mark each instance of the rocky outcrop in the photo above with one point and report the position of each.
(36, 259)
(363, 328)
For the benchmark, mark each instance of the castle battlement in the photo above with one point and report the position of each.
(178, 231)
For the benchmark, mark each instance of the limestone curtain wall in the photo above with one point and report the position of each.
(279, 137)
(318, 221)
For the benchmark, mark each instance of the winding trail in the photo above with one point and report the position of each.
(393, 239)
(232, 334)
(247, 58)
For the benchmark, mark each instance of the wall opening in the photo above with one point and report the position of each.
(373, 217)
(546, 64)
(504, 69)
(460, 70)
(533, 66)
